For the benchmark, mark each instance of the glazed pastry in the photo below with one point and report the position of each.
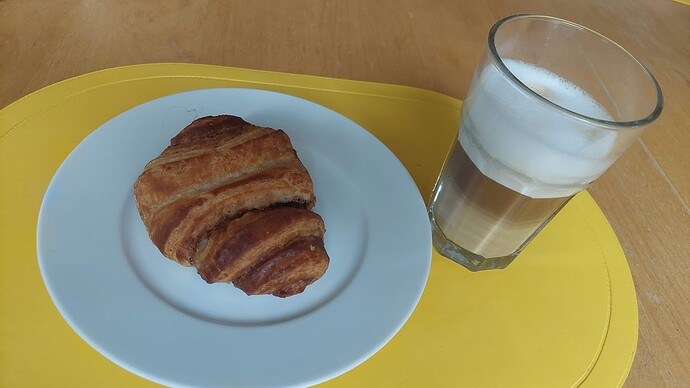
(276, 251)
(234, 200)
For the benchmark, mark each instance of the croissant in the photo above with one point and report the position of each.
(233, 200)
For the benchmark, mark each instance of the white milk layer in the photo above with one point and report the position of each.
(529, 146)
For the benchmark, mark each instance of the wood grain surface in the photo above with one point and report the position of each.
(427, 44)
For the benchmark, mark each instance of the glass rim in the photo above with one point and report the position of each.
(616, 125)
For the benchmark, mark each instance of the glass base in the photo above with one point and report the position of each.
(469, 260)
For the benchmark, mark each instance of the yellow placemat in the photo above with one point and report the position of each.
(563, 314)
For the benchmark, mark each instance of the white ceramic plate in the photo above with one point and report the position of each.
(161, 321)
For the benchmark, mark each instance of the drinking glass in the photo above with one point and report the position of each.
(551, 106)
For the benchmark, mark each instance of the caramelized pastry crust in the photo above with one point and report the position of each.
(234, 200)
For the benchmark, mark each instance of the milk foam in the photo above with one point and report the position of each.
(527, 145)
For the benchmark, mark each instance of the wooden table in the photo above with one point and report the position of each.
(427, 44)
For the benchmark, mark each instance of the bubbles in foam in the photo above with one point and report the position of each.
(556, 89)
(528, 146)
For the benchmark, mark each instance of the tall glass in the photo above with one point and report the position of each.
(551, 106)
